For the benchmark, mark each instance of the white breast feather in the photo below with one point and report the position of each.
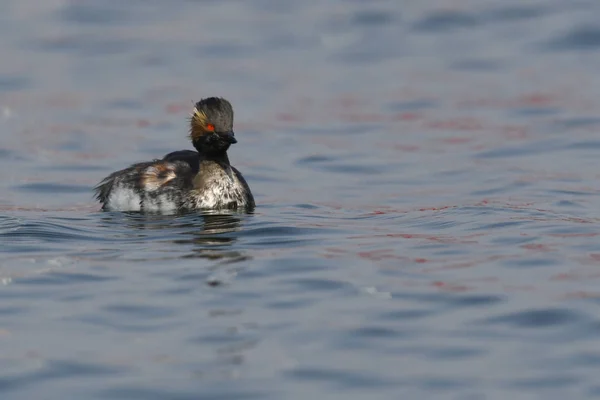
(220, 190)
(123, 199)
(161, 204)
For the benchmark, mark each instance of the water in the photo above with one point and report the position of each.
(427, 187)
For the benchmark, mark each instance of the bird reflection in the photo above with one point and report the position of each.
(212, 233)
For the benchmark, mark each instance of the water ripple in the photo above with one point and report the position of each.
(578, 39)
(427, 187)
(539, 319)
(446, 21)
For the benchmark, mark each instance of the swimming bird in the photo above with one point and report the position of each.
(184, 180)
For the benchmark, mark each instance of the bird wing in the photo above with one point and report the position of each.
(250, 197)
(147, 177)
(190, 157)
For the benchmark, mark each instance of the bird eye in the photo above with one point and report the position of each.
(210, 127)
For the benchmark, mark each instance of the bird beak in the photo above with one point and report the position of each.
(229, 137)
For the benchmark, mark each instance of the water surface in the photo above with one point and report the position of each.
(426, 179)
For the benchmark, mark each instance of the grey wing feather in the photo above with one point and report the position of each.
(249, 196)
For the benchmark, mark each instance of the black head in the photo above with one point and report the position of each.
(211, 126)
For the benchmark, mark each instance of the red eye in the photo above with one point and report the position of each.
(210, 127)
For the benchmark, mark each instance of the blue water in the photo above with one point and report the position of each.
(426, 174)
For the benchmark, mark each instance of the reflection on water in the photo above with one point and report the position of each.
(211, 234)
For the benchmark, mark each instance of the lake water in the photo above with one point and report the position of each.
(426, 173)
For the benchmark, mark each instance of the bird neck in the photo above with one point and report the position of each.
(219, 157)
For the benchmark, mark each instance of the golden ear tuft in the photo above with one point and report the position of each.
(199, 116)
(197, 124)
